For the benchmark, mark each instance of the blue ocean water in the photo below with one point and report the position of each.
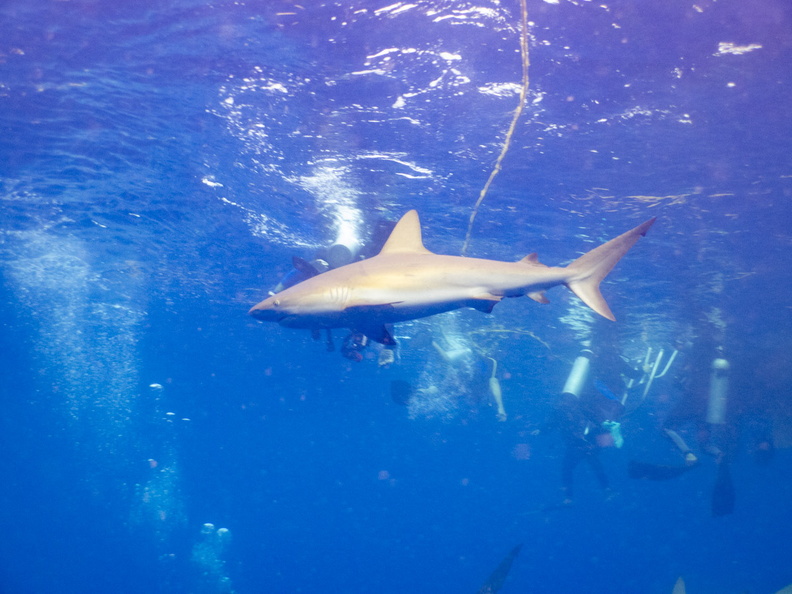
(161, 163)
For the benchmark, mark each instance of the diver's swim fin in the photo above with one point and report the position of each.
(305, 267)
(723, 491)
(654, 472)
(495, 581)
(401, 392)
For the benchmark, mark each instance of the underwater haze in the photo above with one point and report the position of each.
(162, 163)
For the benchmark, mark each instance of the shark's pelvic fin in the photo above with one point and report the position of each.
(589, 270)
(406, 237)
(539, 297)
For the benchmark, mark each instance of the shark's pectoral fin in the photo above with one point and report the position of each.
(485, 302)
(371, 310)
(367, 321)
(539, 297)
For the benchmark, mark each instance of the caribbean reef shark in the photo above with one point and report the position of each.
(405, 281)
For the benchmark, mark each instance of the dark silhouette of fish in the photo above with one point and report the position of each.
(495, 581)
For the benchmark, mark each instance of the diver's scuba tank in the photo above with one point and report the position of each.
(578, 377)
(347, 245)
(718, 392)
(344, 251)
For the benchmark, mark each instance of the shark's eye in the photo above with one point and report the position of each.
(276, 303)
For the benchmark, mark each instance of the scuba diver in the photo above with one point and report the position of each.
(346, 249)
(588, 411)
(689, 410)
(355, 343)
(702, 406)
(473, 366)
(459, 381)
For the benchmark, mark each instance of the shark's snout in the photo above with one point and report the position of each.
(265, 311)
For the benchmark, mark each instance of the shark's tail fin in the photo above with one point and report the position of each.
(587, 272)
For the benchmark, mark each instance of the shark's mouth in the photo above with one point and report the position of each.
(288, 321)
(284, 318)
(266, 315)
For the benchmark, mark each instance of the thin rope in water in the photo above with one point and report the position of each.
(517, 112)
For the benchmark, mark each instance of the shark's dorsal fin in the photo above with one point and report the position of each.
(406, 237)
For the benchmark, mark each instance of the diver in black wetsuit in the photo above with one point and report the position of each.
(580, 443)
(702, 406)
(588, 411)
(340, 254)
